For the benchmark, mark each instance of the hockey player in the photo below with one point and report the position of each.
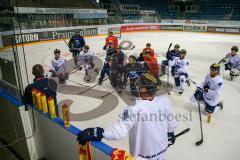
(76, 45)
(132, 71)
(85, 55)
(137, 122)
(110, 40)
(117, 69)
(171, 55)
(86, 58)
(210, 90)
(180, 70)
(59, 65)
(107, 63)
(233, 64)
(151, 65)
(147, 50)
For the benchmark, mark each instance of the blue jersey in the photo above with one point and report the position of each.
(109, 55)
(76, 42)
(44, 85)
(172, 54)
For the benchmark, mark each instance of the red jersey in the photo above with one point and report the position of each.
(152, 65)
(151, 51)
(112, 39)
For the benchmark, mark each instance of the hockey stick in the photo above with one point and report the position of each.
(110, 92)
(222, 60)
(91, 87)
(165, 87)
(200, 119)
(168, 63)
(180, 134)
(65, 42)
(132, 47)
(73, 71)
(77, 83)
(192, 81)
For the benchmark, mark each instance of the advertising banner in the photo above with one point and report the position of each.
(139, 28)
(193, 28)
(47, 35)
(172, 27)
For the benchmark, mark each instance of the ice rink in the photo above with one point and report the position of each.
(221, 136)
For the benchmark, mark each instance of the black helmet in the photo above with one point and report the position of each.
(234, 48)
(215, 66)
(183, 51)
(148, 44)
(57, 51)
(177, 46)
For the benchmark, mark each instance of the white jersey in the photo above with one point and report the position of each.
(59, 63)
(234, 61)
(84, 57)
(212, 97)
(148, 127)
(182, 63)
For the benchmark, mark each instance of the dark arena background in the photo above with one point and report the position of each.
(73, 96)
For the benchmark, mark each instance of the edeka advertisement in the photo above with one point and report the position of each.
(194, 28)
(139, 28)
(7, 40)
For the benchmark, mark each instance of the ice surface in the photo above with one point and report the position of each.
(221, 136)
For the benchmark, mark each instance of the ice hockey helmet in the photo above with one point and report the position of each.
(57, 51)
(150, 82)
(148, 44)
(183, 51)
(234, 48)
(177, 46)
(215, 66)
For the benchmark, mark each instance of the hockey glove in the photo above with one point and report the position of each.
(227, 67)
(171, 138)
(198, 94)
(206, 87)
(105, 47)
(90, 134)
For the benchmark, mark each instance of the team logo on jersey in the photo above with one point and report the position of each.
(125, 115)
(220, 84)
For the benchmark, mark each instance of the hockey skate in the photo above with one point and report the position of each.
(180, 92)
(220, 105)
(62, 78)
(100, 82)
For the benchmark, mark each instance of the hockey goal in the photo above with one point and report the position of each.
(116, 31)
